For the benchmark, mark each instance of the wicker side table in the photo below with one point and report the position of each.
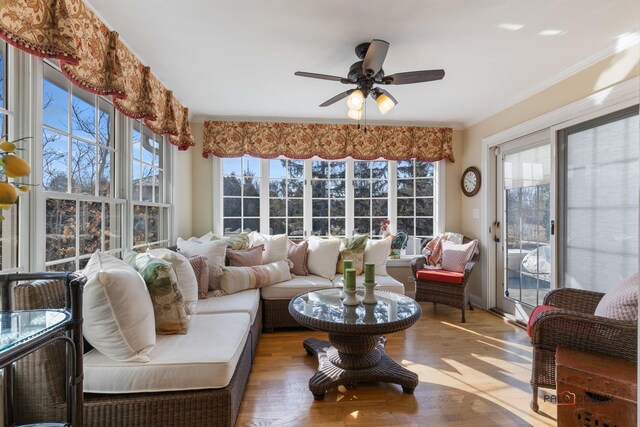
(355, 350)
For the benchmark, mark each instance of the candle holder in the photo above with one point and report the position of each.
(350, 298)
(369, 294)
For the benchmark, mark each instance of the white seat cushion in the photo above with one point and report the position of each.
(291, 288)
(204, 358)
(385, 283)
(241, 302)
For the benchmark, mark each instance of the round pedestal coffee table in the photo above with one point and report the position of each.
(355, 350)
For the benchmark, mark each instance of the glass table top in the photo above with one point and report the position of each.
(326, 305)
(20, 326)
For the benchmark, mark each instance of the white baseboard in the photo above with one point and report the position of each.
(477, 301)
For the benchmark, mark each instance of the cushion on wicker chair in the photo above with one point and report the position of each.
(621, 302)
(446, 276)
(535, 313)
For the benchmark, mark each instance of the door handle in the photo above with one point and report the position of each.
(496, 231)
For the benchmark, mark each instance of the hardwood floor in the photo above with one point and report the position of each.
(472, 374)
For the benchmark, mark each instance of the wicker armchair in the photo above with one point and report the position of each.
(452, 294)
(574, 325)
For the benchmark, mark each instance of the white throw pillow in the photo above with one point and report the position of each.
(322, 257)
(236, 279)
(187, 281)
(275, 246)
(377, 252)
(214, 251)
(117, 309)
(455, 257)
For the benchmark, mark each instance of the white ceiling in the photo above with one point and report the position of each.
(236, 58)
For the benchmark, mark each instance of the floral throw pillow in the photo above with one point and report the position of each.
(352, 248)
(166, 298)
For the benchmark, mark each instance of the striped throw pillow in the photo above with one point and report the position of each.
(455, 257)
(236, 279)
(201, 269)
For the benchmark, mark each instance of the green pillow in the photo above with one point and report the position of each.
(162, 283)
(352, 248)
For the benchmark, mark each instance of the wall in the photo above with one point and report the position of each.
(202, 176)
(182, 192)
(608, 72)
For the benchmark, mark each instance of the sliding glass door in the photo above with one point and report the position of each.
(599, 187)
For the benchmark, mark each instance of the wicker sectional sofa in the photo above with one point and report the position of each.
(115, 391)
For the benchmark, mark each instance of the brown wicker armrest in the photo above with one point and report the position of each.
(574, 299)
(616, 338)
(417, 264)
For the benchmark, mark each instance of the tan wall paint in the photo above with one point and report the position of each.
(453, 193)
(202, 173)
(182, 192)
(615, 69)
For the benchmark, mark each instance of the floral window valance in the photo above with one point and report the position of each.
(328, 141)
(92, 57)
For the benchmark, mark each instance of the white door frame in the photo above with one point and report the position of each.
(617, 97)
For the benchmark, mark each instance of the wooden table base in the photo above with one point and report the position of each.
(358, 362)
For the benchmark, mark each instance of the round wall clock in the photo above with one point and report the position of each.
(470, 181)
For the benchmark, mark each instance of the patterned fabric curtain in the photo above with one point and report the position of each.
(92, 57)
(302, 141)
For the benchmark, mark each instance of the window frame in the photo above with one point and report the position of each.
(438, 193)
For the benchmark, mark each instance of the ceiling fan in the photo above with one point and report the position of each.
(366, 74)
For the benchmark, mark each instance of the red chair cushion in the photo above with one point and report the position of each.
(536, 311)
(445, 276)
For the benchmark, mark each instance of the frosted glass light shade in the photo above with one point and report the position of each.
(355, 100)
(385, 104)
(355, 114)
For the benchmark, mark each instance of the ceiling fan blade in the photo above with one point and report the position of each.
(337, 98)
(376, 53)
(413, 77)
(322, 76)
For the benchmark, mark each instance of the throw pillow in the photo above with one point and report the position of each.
(377, 252)
(298, 256)
(323, 256)
(162, 283)
(245, 258)
(621, 302)
(352, 248)
(236, 279)
(187, 281)
(455, 257)
(214, 251)
(201, 270)
(275, 246)
(237, 241)
(117, 310)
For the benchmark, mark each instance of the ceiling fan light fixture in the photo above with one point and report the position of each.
(355, 101)
(385, 104)
(355, 114)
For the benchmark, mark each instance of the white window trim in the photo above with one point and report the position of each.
(439, 186)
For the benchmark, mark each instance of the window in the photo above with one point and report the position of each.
(371, 195)
(414, 203)
(241, 194)
(599, 201)
(78, 154)
(328, 197)
(148, 187)
(9, 226)
(286, 197)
